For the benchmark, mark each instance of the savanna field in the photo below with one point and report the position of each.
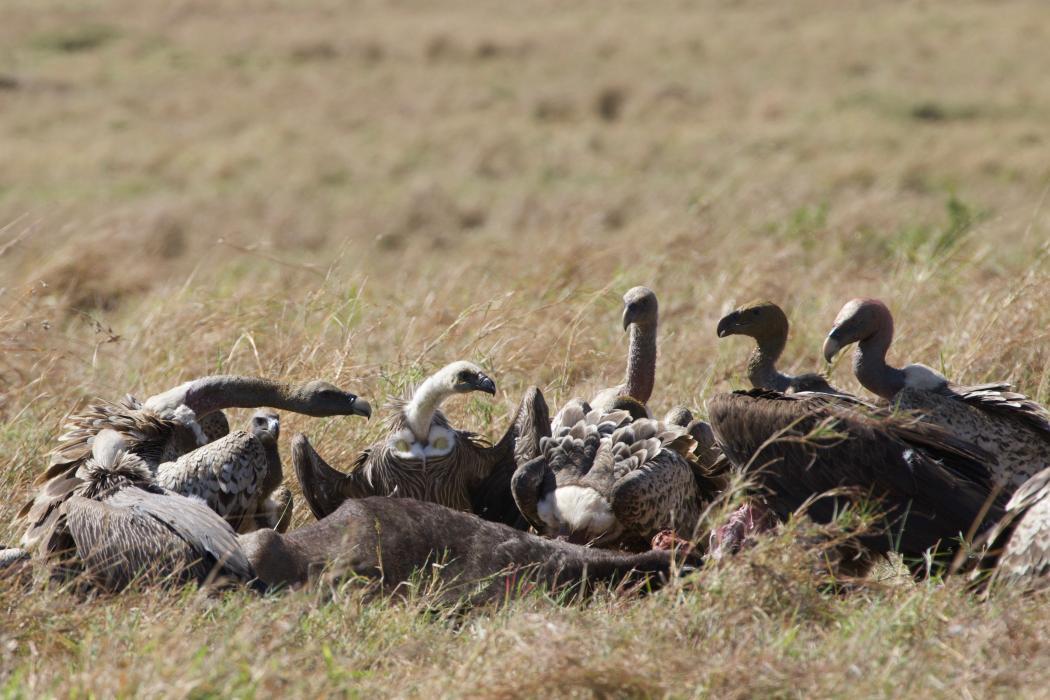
(365, 191)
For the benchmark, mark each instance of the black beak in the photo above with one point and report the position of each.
(484, 383)
(361, 408)
(831, 347)
(725, 326)
(628, 316)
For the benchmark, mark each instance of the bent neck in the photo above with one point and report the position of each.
(419, 413)
(869, 364)
(762, 364)
(641, 361)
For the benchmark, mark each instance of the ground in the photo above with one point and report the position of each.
(362, 191)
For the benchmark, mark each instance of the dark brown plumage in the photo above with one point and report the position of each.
(768, 325)
(929, 485)
(424, 458)
(1012, 428)
(389, 541)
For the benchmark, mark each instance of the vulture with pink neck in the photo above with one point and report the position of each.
(1014, 430)
(768, 325)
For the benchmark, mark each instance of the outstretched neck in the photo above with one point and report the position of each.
(762, 364)
(641, 361)
(869, 364)
(210, 394)
(419, 413)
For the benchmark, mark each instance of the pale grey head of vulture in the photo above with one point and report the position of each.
(265, 422)
(464, 377)
(859, 321)
(324, 399)
(760, 320)
(639, 307)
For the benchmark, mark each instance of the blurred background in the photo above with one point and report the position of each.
(365, 190)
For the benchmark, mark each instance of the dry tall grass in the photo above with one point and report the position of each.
(362, 191)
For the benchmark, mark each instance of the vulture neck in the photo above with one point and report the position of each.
(210, 394)
(641, 361)
(762, 365)
(419, 413)
(869, 363)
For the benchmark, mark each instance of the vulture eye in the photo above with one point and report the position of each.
(754, 312)
(464, 376)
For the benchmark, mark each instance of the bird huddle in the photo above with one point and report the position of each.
(163, 489)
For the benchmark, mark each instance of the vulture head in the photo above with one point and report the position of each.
(858, 321)
(265, 422)
(758, 320)
(324, 399)
(465, 377)
(639, 307)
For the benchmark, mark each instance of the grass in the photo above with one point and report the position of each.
(364, 192)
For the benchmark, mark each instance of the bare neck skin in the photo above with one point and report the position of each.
(419, 413)
(209, 394)
(869, 361)
(641, 361)
(762, 364)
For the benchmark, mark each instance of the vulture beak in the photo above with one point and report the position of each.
(831, 347)
(628, 316)
(273, 424)
(725, 326)
(361, 408)
(484, 383)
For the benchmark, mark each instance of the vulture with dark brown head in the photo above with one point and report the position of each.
(425, 458)
(1012, 428)
(768, 325)
(930, 487)
(167, 426)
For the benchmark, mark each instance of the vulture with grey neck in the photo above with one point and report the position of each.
(238, 476)
(425, 458)
(116, 526)
(768, 325)
(395, 541)
(1019, 544)
(929, 486)
(640, 316)
(166, 426)
(1012, 428)
(606, 478)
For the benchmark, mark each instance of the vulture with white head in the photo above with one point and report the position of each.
(608, 479)
(1012, 428)
(930, 487)
(425, 458)
(238, 476)
(768, 325)
(166, 426)
(640, 316)
(116, 526)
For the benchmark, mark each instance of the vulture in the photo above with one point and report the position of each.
(394, 541)
(1008, 425)
(116, 526)
(1019, 544)
(768, 325)
(608, 479)
(931, 488)
(165, 427)
(239, 476)
(425, 458)
(640, 315)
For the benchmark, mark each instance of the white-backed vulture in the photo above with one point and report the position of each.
(607, 479)
(392, 541)
(115, 526)
(768, 325)
(165, 427)
(640, 317)
(930, 486)
(1019, 544)
(1008, 425)
(425, 458)
(238, 476)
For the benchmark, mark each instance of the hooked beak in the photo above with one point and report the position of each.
(725, 326)
(484, 383)
(627, 317)
(831, 347)
(361, 408)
